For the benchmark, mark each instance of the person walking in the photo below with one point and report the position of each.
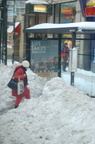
(65, 55)
(20, 72)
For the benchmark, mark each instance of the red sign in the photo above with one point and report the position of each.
(89, 11)
(68, 15)
(9, 42)
(67, 10)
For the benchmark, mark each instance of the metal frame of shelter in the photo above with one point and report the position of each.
(72, 28)
(3, 32)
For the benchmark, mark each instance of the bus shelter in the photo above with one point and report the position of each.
(71, 28)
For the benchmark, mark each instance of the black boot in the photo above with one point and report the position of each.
(16, 106)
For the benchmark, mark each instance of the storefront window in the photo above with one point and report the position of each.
(67, 12)
(64, 13)
(57, 7)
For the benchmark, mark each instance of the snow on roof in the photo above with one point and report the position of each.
(59, 28)
(86, 25)
(36, 2)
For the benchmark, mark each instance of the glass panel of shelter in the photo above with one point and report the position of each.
(44, 57)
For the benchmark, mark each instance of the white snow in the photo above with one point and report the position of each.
(83, 80)
(79, 25)
(57, 112)
(35, 2)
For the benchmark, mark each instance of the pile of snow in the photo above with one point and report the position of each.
(57, 113)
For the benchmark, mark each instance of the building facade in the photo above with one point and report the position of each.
(54, 11)
(67, 11)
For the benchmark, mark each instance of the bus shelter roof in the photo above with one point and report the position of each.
(52, 28)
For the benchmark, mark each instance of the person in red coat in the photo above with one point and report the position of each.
(65, 55)
(21, 73)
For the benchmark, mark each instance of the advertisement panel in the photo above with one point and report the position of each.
(90, 8)
(44, 57)
(90, 2)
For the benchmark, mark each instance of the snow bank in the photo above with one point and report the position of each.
(57, 113)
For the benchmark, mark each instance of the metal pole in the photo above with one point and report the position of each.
(4, 32)
(14, 13)
(59, 56)
(73, 45)
(0, 29)
(0, 41)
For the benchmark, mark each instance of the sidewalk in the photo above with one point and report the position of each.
(83, 80)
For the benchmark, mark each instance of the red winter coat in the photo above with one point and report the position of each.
(64, 52)
(20, 74)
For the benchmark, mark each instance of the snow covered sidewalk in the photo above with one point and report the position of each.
(83, 80)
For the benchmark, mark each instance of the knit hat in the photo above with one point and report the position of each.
(25, 63)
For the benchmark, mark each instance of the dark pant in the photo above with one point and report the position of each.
(25, 94)
(64, 63)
